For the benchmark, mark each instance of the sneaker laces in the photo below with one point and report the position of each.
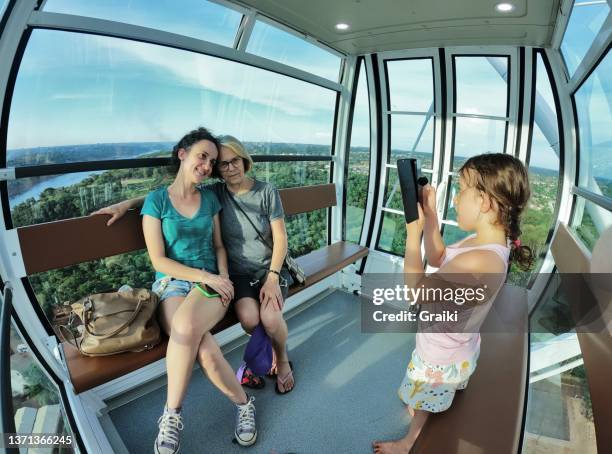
(169, 426)
(246, 417)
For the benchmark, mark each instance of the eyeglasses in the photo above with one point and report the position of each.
(224, 165)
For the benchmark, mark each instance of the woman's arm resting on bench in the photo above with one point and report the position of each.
(118, 210)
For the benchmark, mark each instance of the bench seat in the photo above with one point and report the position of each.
(89, 372)
(487, 416)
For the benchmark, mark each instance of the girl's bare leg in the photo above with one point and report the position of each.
(404, 445)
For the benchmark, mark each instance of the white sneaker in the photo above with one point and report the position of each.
(246, 432)
(167, 441)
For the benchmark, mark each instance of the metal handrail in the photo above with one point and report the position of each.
(6, 395)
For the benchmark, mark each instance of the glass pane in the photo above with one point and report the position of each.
(276, 44)
(474, 136)
(585, 22)
(453, 234)
(481, 88)
(393, 193)
(559, 409)
(589, 221)
(393, 235)
(3, 4)
(412, 136)
(538, 218)
(82, 89)
(51, 198)
(195, 18)
(594, 108)
(358, 162)
(55, 288)
(451, 212)
(36, 399)
(307, 231)
(292, 174)
(411, 85)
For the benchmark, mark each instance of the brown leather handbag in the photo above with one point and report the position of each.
(115, 322)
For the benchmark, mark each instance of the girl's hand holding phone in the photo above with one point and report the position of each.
(428, 201)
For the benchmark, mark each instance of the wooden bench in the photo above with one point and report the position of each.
(487, 416)
(78, 240)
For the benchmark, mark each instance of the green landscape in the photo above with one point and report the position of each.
(306, 232)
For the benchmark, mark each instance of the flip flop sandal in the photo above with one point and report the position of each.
(283, 380)
(250, 380)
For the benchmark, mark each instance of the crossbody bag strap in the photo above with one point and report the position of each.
(231, 196)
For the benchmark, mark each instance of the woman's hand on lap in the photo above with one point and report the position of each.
(220, 284)
(270, 293)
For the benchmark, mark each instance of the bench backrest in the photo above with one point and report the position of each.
(58, 244)
(595, 336)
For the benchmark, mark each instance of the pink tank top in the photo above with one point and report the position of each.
(448, 348)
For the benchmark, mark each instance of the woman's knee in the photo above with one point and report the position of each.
(186, 329)
(248, 314)
(271, 320)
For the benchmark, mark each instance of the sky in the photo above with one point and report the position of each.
(78, 89)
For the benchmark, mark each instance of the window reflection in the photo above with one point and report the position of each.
(589, 221)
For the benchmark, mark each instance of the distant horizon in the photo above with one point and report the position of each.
(165, 142)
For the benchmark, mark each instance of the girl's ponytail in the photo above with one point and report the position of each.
(505, 179)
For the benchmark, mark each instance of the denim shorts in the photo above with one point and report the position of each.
(167, 287)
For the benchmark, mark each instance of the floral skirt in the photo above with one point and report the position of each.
(432, 387)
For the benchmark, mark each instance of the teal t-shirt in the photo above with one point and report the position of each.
(189, 241)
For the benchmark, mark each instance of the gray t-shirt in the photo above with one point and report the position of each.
(247, 253)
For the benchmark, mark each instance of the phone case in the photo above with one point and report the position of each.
(407, 170)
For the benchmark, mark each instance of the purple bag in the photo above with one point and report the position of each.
(258, 353)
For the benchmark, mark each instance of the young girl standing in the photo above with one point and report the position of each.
(493, 192)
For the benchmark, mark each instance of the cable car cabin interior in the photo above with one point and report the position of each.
(325, 97)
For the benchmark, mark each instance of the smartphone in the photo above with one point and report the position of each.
(206, 291)
(410, 178)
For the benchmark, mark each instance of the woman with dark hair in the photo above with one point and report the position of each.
(254, 232)
(183, 237)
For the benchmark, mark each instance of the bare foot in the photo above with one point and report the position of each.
(284, 377)
(391, 447)
(410, 411)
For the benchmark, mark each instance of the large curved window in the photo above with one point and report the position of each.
(90, 98)
(194, 18)
(585, 22)
(358, 161)
(544, 164)
(411, 118)
(594, 109)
